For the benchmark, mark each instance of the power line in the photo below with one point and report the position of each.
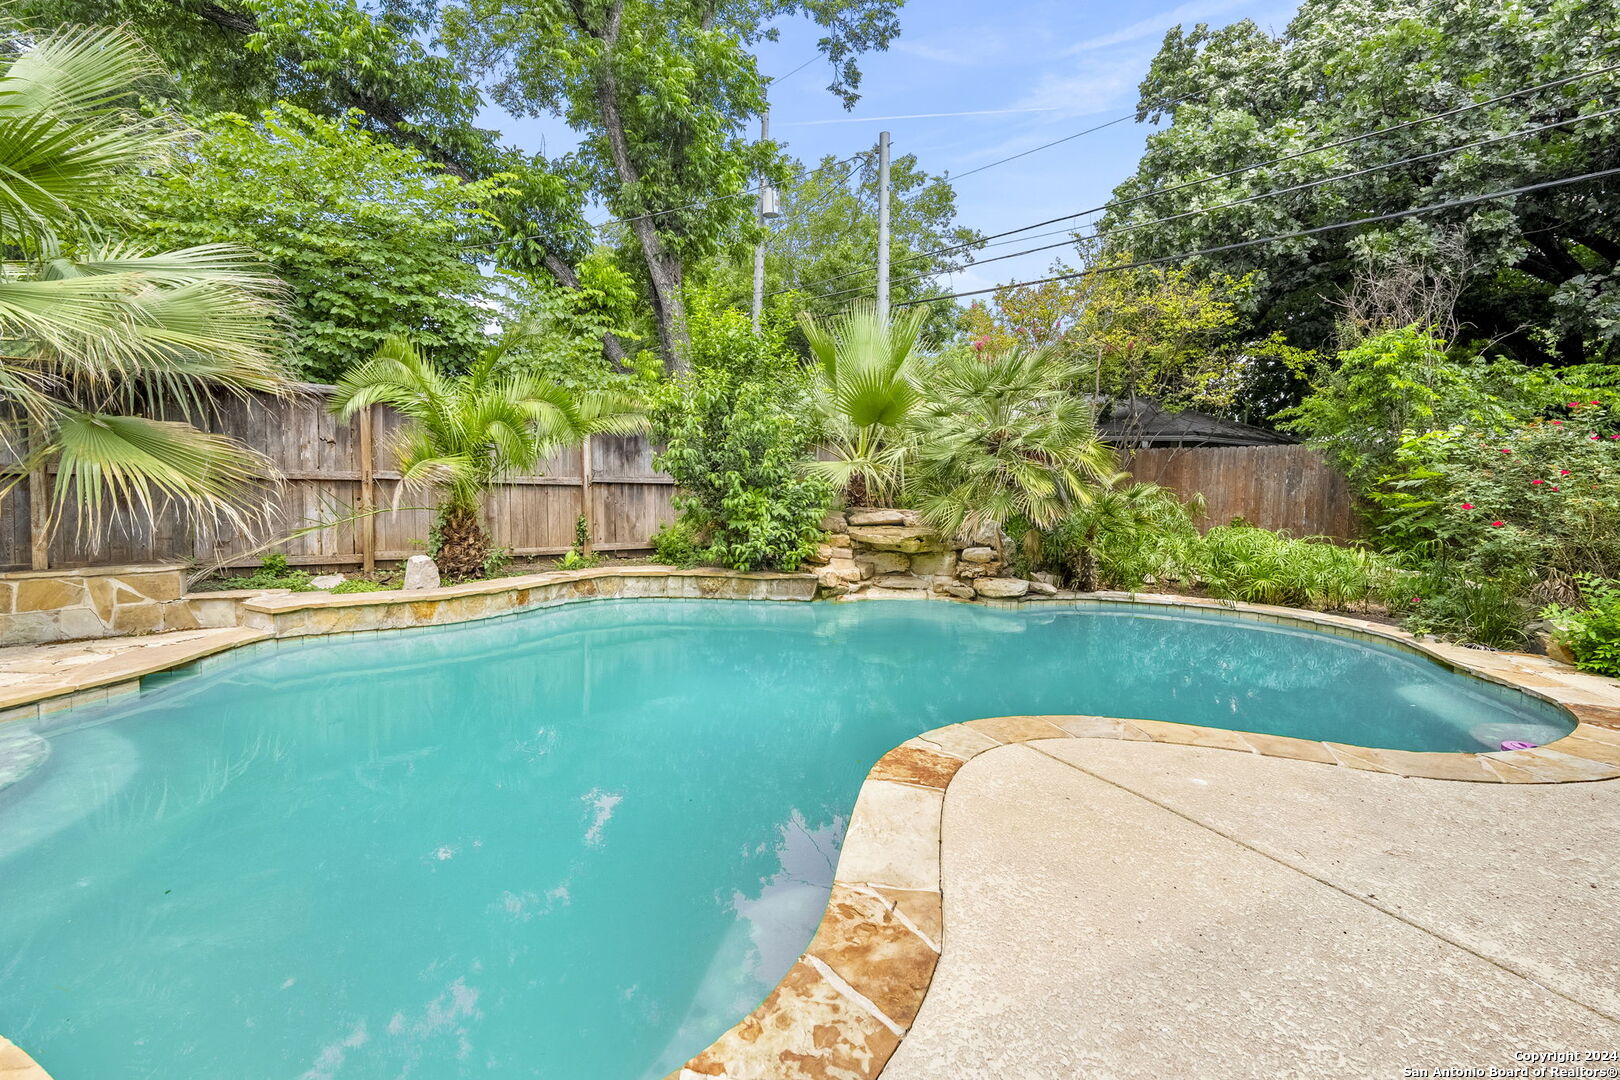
(832, 188)
(814, 57)
(658, 213)
(1393, 215)
(1346, 141)
(1132, 226)
(1059, 142)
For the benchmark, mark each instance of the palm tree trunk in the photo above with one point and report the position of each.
(463, 544)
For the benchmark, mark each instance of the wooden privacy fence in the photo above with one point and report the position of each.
(330, 468)
(1275, 487)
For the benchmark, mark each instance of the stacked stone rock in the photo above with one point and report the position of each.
(886, 552)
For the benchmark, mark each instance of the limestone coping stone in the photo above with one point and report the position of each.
(15, 1064)
(92, 571)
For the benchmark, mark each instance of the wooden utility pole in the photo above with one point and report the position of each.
(883, 228)
(766, 211)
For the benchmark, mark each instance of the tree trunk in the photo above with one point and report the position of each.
(663, 268)
(463, 544)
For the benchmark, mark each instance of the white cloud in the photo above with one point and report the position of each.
(1109, 85)
(1155, 26)
(940, 54)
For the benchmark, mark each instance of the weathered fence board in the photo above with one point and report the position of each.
(329, 469)
(1275, 487)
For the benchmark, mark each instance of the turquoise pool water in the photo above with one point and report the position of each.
(576, 844)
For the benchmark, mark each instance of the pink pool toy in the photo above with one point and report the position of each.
(1518, 744)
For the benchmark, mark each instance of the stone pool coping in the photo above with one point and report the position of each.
(850, 998)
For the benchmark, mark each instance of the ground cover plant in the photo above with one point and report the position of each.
(1591, 633)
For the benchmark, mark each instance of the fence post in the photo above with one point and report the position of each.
(585, 493)
(368, 494)
(39, 497)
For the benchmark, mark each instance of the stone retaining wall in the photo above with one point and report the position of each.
(884, 552)
(38, 606)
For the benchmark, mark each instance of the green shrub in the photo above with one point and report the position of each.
(678, 543)
(360, 585)
(1123, 537)
(272, 573)
(580, 556)
(737, 434)
(1592, 633)
(1542, 499)
(573, 560)
(1448, 603)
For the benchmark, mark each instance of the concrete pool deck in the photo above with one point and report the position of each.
(1123, 909)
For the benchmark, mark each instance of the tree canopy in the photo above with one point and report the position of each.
(823, 247)
(663, 94)
(368, 236)
(1539, 270)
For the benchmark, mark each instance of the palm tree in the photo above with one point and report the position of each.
(110, 350)
(864, 387)
(467, 431)
(1002, 436)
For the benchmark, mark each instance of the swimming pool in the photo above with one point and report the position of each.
(573, 843)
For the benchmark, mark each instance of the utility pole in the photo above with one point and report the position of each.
(767, 210)
(883, 227)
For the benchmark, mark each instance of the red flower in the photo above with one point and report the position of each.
(1595, 438)
(1574, 404)
(1417, 599)
(1592, 403)
(1538, 481)
(1563, 472)
(1558, 422)
(1505, 450)
(1614, 436)
(1468, 506)
(1497, 524)
(1555, 487)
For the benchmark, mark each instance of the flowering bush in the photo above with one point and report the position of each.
(1544, 498)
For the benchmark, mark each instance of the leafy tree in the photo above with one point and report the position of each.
(1540, 268)
(1157, 332)
(1407, 381)
(1003, 436)
(824, 245)
(364, 58)
(467, 431)
(113, 345)
(367, 235)
(565, 326)
(663, 93)
(737, 432)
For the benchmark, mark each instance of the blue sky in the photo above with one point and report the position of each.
(1014, 75)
